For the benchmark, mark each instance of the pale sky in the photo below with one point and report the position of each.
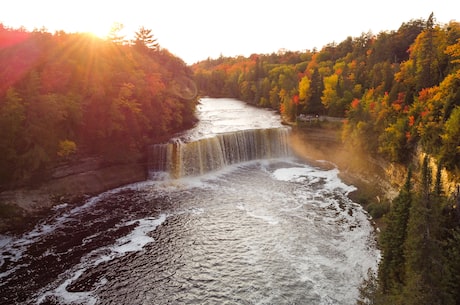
(197, 29)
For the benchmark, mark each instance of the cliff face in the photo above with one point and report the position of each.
(449, 181)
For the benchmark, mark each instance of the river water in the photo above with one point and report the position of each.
(272, 230)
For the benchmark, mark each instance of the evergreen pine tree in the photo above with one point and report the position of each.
(422, 251)
(392, 266)
(314, 105)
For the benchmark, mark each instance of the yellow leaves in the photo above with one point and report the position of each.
(339, 67)
(66, 148)
(331, 81)
(282, 93)
(330, 92)
(406, 74)
(304, 88)
(454, 52)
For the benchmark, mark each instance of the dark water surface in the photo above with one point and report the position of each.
(265, 232)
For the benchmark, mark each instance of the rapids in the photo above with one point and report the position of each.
(264, 229)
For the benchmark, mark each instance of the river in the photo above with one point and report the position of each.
(253, 225)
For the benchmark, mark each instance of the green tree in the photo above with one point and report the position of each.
(428, 53)
(392, 267)
(12, 118)
(424, 262)
(450, 151)
(393, 141)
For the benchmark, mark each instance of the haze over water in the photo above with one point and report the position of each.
(272, 231)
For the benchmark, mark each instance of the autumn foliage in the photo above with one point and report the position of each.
(71, 95)
(396, 89)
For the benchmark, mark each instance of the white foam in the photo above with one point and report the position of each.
(133, 242)
(312, 175)
(15, 247)
(138, 238)
(70, 297)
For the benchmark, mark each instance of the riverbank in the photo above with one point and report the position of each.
(21, 208)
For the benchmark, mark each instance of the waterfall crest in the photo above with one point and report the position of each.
(209, 154)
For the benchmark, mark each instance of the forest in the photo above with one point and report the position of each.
(397, 92)
(64, 96)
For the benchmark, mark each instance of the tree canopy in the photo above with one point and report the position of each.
(63, 95)
(396, 90)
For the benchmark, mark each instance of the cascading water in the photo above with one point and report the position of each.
(195, 158)
(242, 222)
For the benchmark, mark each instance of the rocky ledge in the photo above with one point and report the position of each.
(20, 208)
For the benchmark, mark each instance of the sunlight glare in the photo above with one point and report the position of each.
(100, 29)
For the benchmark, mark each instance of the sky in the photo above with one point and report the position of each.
(195, 30)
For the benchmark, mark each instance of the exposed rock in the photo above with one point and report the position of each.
(67, 184)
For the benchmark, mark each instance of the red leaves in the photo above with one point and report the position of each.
(295, 99)
(355, 103)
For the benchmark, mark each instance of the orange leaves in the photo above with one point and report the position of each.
(396, 107)
(411, 120)
(398, 104)
(424, 113)
(155, 83)
(282, 108)
(424, 95)
(295, 99)
(355, 103)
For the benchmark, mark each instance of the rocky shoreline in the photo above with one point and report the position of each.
(21, 208)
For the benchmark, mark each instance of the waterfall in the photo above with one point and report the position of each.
(209, 154)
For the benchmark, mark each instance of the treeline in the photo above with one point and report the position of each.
(397, 89)
(420, 246)
(71, 95)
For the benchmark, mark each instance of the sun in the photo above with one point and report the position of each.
(99, 29)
